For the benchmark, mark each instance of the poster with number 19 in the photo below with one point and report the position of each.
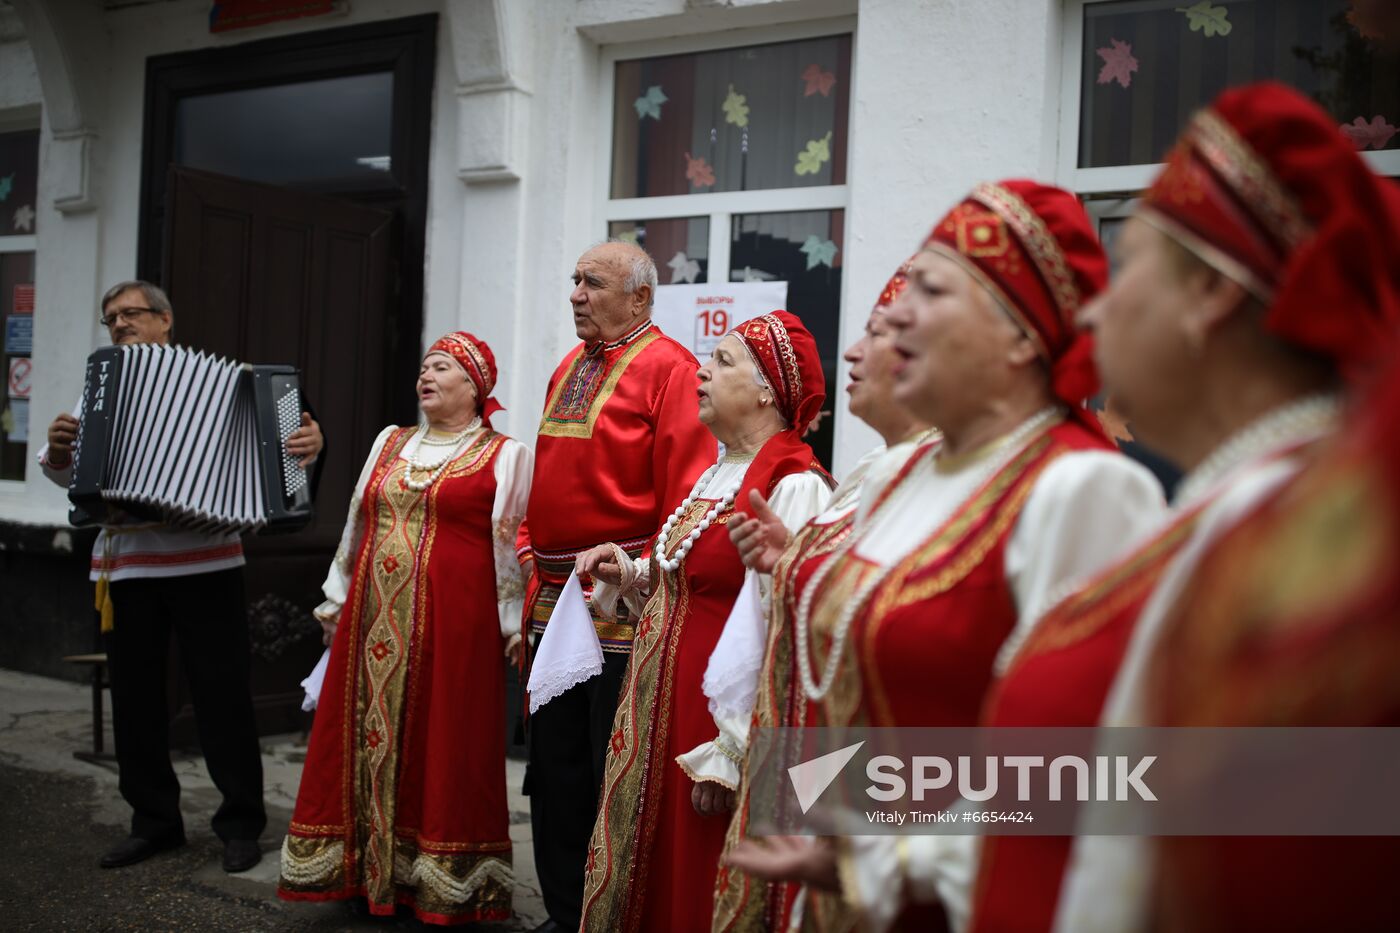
(698, 316)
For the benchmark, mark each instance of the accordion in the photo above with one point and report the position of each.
(188, 439)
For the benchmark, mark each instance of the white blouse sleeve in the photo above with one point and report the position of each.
(515, 465)
(1086, 509)
(880, 874)
(796, 499)
(337, 586)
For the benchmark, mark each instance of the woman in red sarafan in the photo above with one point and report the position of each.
(403, 797)
(672, 766)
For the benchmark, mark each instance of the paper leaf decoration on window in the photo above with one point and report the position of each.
(1373, 135)
(756, 275)
(699, 171)
(811, 159)
(736, 108)
(6, 184)
(1369, 17)
(818, 251)
(630, 236)
(1118, 62)
(683, 269)
(24, 218)
(649, 104)
(818, 81)
(1114, 424)
(1207, 18)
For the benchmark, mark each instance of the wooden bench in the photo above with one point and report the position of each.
(98, 663)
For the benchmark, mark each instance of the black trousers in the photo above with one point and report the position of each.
(564, 779)
(207, 613)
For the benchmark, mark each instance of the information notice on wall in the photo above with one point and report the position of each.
(698, 316)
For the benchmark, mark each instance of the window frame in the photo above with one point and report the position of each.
(1120, 179)
(719, 206)
(23, 120)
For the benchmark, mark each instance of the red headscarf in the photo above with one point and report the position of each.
(1264, 187)
(476, 358)
(1033, 247)
(786, 355)
(893, 288)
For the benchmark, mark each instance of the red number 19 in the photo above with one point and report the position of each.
(716, 322)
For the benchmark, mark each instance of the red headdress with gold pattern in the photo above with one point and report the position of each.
(474, 356)
(1033, 247)
(1263, 187)
(893, 288)
(786, 355)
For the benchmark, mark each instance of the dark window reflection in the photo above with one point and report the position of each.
(334, 129)
(805, 249)
(1146, 69)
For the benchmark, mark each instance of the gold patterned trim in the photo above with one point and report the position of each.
(1086, 611)
(1249, 177)
(1213, 256)
(550, 428)
(1044, 249)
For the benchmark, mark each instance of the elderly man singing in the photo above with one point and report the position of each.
(620, 445)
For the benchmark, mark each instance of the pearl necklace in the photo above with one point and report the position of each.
(1007, 449)
(435, 469)
(1309, 416)
(670, 564)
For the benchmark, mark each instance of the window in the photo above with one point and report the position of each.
(328, 130)
(19, 186)
(729, 165)
(1138, 69)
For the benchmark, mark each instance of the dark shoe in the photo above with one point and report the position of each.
(135, 849)
(241, 855)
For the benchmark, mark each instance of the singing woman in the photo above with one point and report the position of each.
(403, 797)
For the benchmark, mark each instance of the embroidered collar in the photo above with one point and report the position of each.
(592, 349)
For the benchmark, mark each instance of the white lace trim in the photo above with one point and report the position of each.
(424, 872)
(563, 676)
(311, 869)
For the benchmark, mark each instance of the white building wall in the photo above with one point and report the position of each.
(945, 94)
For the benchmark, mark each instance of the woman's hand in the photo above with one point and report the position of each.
(760, 538)
(600, 563)
(788, 858)
(514, 646)
(328, 630)
(305, 442)
(711, 799)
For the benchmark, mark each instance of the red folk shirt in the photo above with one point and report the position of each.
(620, 445)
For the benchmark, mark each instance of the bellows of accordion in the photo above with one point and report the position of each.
(189, 439)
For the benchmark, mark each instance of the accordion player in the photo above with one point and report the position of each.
(189, 439)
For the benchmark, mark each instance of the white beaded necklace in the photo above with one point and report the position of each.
(670, 564)
(1007, 449)
(1309, 416)
(454, 447)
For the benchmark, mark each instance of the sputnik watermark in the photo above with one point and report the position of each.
(1056, 781)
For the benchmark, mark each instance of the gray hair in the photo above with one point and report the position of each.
(155, 295)
(642, 270)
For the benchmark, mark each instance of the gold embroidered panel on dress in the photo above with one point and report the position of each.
(581, 393)
(467, 881)
(393, 609)
(615, 875)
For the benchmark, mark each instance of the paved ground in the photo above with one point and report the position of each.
(61, 814)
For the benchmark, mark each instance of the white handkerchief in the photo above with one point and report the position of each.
(731, 677)
(313, 681)
(568, 652)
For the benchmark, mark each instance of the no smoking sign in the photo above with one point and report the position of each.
(21, 369)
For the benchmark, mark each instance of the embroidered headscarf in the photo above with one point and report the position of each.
(479, 363)
(1263, 187)
(1033, 248)
(893, 288)
(786, 355)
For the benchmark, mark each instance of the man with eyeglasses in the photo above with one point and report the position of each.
(163, 579)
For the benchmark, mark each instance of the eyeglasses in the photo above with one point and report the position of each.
(127, 315)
